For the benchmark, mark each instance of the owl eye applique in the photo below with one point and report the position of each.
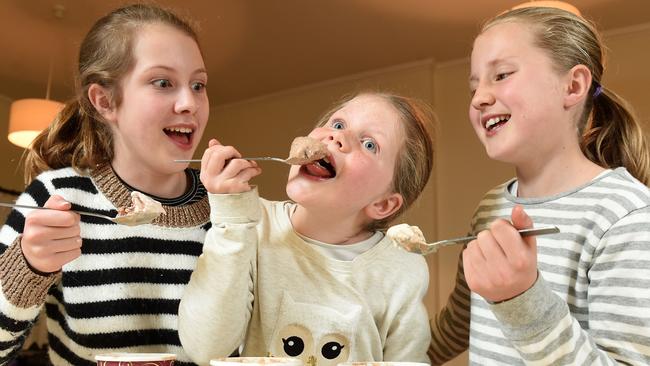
(293, 346)
(331, 350)
(317, 335)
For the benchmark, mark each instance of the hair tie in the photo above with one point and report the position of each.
(599, 89)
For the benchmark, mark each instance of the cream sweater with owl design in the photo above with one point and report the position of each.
(258, 284)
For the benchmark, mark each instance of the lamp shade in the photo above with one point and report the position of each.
(550, 4)
(28, 117)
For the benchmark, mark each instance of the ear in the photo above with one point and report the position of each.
(102, 101)
(578, 85)
(385, 206)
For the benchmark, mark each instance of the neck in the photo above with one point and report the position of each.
(150, 181)
(329, 227)
(551, 175)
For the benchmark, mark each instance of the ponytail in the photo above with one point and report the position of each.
(75, 138)
(613, 137)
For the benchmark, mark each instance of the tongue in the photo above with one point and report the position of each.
(182, 138)
(317, 170)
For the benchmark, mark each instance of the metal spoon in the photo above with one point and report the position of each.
(291, 160)
(427, 248)
(134, 219)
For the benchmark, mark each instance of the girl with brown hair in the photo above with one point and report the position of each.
(141, 103)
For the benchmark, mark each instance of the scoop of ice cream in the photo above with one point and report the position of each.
(142, 210)
(408, 237)
(305, 149)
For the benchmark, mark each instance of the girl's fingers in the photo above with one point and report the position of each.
(222, 170)
(520, 219)
(235, 167)
(210, 163)
(206, 159)
(57, 202)
(217, 158)
(490, 247)
(52, 218)
(496, 266)
(521, 253)
(59, 216)
(472, 260)
(468, 268)
(508, 238)
(249, 173)
(61, 233)
(49, 246)
(38, 230)
(64, 258)
(66, 245)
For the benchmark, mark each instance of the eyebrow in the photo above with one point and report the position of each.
(197, 71)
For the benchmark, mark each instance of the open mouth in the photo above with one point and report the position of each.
(181, 135)
(323, 169)
(496, 122)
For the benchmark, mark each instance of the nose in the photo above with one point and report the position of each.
(339, 138)
(187, 101)
(482, 97)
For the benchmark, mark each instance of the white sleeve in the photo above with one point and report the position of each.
(217, 304)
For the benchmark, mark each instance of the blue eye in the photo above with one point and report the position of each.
(198, 86)
(338, 125)
(370, 145)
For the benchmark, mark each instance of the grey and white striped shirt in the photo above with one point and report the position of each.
(591, 303)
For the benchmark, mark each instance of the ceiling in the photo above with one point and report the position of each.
(257, 47)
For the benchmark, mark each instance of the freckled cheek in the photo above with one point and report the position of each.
(377, 177)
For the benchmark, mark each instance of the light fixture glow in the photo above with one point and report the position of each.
(550, 4)
(28, 117)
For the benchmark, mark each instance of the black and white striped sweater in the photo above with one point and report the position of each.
(121, 294)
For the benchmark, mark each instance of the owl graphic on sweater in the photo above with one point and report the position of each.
(316, 334)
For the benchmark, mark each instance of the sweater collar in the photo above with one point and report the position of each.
(193, 214)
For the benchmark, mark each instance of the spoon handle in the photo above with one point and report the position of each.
(14, 205)
(245, 158)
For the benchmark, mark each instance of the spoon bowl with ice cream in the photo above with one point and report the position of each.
(142, 210)
(411, 239)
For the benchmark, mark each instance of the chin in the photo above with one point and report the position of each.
(298, 191)
(292, 191)
(506, 157)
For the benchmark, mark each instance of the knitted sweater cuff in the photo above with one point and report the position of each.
(235, 208)
(21, 285)
(532, 313)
